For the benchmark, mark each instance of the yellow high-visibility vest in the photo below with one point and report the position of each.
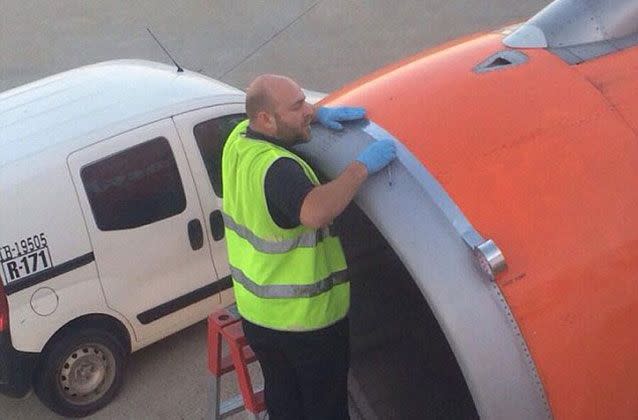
(284, 279)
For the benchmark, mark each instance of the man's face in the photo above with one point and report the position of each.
(293, 115)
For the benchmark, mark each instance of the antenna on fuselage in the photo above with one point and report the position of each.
(179, 68)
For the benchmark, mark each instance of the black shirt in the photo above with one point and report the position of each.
(286, 186)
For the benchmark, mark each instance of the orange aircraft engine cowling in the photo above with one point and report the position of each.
(542, 157)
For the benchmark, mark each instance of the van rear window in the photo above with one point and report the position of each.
(211, 136)
(134, 187)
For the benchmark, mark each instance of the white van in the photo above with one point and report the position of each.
(111, 235)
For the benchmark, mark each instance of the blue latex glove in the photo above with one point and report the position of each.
(378, 155)
(330, 117)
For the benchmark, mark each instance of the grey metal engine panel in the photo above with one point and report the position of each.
(470, 309)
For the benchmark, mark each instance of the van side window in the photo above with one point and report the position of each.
(211, 136)
(134, 187)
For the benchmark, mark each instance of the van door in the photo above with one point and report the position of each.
(203, 133)
(147, 229)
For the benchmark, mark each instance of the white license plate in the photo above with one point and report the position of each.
(26, 265)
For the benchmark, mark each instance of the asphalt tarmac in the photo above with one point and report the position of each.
(322, 44)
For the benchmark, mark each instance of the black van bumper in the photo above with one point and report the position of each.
(16, 368)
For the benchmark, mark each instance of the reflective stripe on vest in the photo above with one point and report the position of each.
(305, 240)
(288, 290)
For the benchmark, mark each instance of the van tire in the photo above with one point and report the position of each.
(80, 372)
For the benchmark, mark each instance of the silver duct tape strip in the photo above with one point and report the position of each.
(489, 256)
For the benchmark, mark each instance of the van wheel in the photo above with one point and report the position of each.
(81, 372)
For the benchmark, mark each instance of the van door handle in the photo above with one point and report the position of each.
(217, 225)
(195, 234)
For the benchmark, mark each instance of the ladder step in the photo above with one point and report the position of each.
(235, 404)
(227, 361)
(231, 406)
(235, 333)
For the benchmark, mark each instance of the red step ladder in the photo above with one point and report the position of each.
(225, 325)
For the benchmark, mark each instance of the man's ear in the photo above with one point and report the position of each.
(267, 120)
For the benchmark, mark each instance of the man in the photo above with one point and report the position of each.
(288, 271)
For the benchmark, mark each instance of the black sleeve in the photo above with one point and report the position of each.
(286, 186)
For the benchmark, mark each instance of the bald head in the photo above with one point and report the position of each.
(277, 107)
(264, 92)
